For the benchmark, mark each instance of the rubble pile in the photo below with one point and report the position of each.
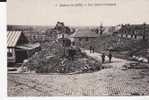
(78, 65)
(135, 65)
(51, 59)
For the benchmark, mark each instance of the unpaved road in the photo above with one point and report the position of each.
(112, 81)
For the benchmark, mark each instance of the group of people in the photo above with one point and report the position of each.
(103, 55)
(109, 56)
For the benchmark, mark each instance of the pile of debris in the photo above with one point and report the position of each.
(79, 65)
(135, 65)
(140, 59)
(51, 59)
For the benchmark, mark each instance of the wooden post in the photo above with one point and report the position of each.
(144, 33)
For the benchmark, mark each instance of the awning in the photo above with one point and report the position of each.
(28, 46)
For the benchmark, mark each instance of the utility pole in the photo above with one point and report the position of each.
(144, 31)
(101, 29)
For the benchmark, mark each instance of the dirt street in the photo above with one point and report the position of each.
(112, 81)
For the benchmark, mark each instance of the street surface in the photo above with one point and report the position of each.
(111, 81)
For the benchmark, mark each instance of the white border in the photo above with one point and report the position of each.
(3, 71)
(3, 59)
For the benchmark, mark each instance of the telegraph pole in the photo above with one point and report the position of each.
(144, 32)
(101, 29)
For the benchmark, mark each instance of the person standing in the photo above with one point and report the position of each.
(91, 49)
(110, 56)
(148, 59)
(103, 57)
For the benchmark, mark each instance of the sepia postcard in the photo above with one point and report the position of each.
(85, 48)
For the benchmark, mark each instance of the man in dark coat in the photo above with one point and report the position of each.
(103, 57)
(148, 59)
(91, 49)
(110, 57)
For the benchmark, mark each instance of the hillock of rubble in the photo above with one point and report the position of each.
(54, 58)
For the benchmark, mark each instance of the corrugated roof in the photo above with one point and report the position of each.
(12, 38)
(84, 33)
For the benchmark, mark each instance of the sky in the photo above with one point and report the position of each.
(48, 12)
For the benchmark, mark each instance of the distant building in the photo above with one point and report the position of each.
(33, 36)
(133, 31)
(81, 37)
(18, 47)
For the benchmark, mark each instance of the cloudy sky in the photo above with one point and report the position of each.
(48, 12)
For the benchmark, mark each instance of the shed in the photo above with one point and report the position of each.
(18, 47)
